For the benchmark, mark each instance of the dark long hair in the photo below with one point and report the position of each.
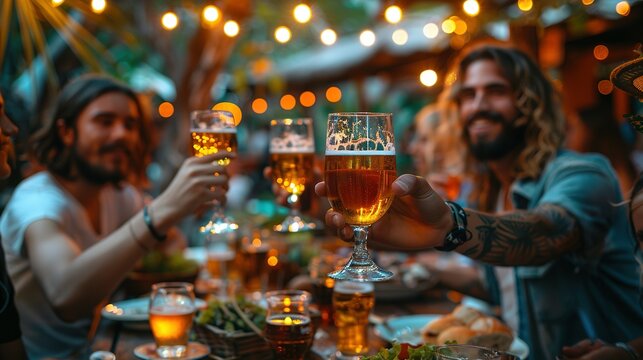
(46, 145)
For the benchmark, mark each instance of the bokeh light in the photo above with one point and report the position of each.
(471, 7)
(428, 77)
(302, 13)
(98, 6)
(431, 30)
(307, 99)
(588, 2)
(367, 38)
(166, 109)
(211, 14)
(287, 102)
(400, 36)
(601, 52)
(525, 5)
(460, 26)
(259, 105)
(328, 37)
(232, 108)
(623, 8)
(393, 14)
(231, 28)
(170, 21)
(57, 2)
(333, 94)
(605, 87)
(282, 34)
(448, 26)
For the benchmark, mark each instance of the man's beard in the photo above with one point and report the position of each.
(509, 139)
(96, 174)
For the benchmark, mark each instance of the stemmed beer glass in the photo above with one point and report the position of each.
(171, 311)
(359, 171)
(213, 131)
(292, 154)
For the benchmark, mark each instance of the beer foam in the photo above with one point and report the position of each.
(360, 153)
(353, 287)
(225, 130)
(292, 143)
(174, 309)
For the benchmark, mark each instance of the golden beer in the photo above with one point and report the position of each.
(219, 263)
(352, 302)
(212, 141)
(171, 325)
(359, 184)
(289, 335)
(291, 170)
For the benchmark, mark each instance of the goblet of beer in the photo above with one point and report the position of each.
(352, 303)
(359, 171)
(213, 131)
(289, 330)
(292, 154)
(171, 311)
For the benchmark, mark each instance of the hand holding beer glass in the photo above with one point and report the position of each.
(352, 303)
(213, 131)
(171, 311)
(292, 154)
(359, 172)
(289, 330)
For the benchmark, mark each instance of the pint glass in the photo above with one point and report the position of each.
(171, 312)
(352, 302)
(289, 330)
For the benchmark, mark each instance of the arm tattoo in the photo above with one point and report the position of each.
(523, 237)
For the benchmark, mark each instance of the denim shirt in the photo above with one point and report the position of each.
(590, 293)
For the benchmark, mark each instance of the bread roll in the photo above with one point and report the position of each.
(466, 314)
(435, 327)
(492, 333)
(460, 334)
(489, 325)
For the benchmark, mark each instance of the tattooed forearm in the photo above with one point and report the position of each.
(522, 237)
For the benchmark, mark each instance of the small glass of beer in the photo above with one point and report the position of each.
(171, 312)
(359, 171)
(352, 303)
(221, 253)
(292, 155)
(213, 131)
(289, 330)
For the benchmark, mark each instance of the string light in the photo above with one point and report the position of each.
(166, 109)
(302, 13)
(367, 38)
(259, 105)
(400, 37)
(287, 102)
(282, 34)
(460, 25)
(448, 26)
(471, 7)
(211, 14)
(307, 99)
(430, 30)
(328, 37)
(623, 8)
(393, 14)
(601, 52)
(98, 6)
(333, 94)
(170, 21)
(525, 5)
(605, 87)
(231, 28)
(588, 2)
(232, 108)
(428, 78)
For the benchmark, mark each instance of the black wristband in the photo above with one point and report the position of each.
(459, 234)
(150, 226)
(628, 349)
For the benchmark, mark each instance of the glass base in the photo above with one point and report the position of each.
(172, 352)
(362, 272)
(296, 223)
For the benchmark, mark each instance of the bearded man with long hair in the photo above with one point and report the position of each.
(545, 214)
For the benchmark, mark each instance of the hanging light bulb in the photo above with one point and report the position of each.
(170, 21)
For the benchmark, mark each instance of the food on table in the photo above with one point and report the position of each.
(160, 262)
(468, 326)
(405, 351)
(226, 315)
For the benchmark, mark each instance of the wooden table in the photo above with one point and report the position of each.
(431, 302)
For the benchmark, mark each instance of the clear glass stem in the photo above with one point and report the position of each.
(360, 251)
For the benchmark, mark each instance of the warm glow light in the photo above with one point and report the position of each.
(605, 87)
(328, 37)
(460, 26)
(333, 94)
(525, 5)
(166, 109)
(302, 13)
(57, 2)
(232, 109)
(98, 6)
(287, 102)
(430, 30)
(272, 261)
(428, 78)
(367, 38)
(588, 2)
(400, 36)
(623, 8)
(231, 28)
(259, 105)
(471, 7)
(256, 242)
(211, 14)
(393, 14)
(170, 21)
(448, 26)
(282, 34)
(307, 99)
(601, 52)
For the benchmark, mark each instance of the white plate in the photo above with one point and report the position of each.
(407, 329)
(134, 309)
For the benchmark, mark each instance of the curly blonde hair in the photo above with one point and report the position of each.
(540, 110)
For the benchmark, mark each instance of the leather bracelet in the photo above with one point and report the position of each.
(628, 349)
(459, 235)
(150, 226)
